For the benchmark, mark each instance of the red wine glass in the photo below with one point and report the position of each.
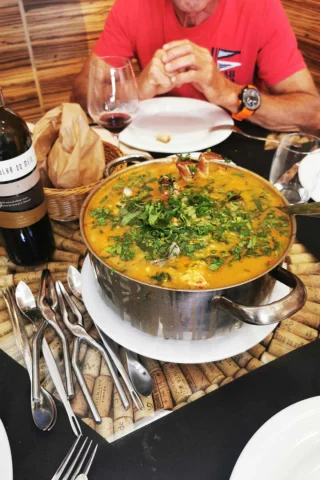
(113, 99)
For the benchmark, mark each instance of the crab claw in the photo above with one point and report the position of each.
(184, 171)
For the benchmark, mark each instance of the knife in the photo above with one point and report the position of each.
(56, 378)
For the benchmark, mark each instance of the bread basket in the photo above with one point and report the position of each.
(65, 205)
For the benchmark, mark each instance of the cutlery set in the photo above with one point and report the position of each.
(54, 307)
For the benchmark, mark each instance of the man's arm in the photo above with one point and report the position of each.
(292, 104)
(80, 85)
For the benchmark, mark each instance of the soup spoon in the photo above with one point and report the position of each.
(308, 209)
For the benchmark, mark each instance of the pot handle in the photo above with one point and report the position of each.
(129, 159)
(273, 312)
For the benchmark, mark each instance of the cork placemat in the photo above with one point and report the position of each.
(174, 385)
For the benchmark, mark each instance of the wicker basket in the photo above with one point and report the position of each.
(65, 204)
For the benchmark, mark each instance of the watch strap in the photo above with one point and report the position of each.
(244, 112)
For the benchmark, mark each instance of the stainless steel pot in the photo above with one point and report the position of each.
(196, 314)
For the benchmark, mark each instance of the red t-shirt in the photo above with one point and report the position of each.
(250, 40)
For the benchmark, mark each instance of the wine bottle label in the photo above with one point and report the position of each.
(18, 167)
(22, 201)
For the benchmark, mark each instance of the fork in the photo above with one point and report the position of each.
(236, 129)
(76, 465)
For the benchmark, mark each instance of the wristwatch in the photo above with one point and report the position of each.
(249, 102)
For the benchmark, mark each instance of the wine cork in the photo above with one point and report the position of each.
(43, 369)
(180, 405)
(4, 270)
(63, 256)
(195, 396)
(228, 367)
(87, 321)
(150, 364)
(289, 338)
(305, 268)
(48, 384)
(3, 305)
(56, 347)
(226, 380)
(4, 316)
(5, 262)
(212, 372)
(102, 394)
(3, 252)
(196, 379)
(8, 341)
(92, 363)
(212, 387)
(177, 382)
(122, 425)
(301, 258)
(242, 359)
(94, 334)
(105, 428)
(266, 341)
(5, 327)
(311, 307)
(257, 350)
(160, 391)
(89, 422)
(67, 233)
(81, 262)
(278, 349)
(267, 358)
(147, 411)
(69, 245)
(241, 372)
(254, 364)
(54, 267)
(118, 408)
(78, 403)
(33, 277)
(299, 329)
(307, 318)
(313, 294)
(6, 281)
(310, 280)
(298, 248)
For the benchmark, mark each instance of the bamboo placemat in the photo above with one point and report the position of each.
(174, 385)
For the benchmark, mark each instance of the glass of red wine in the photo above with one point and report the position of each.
(113, 99)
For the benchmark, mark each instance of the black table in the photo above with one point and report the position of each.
(200, 441)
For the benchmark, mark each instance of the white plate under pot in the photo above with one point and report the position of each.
(186, 120)
(178, 351)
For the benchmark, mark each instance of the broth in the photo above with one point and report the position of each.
(192, 227)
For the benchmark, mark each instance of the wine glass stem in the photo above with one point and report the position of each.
(116, 139)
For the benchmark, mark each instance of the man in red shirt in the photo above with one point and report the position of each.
(214, 49)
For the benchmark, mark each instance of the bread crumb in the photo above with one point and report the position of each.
(163, 137)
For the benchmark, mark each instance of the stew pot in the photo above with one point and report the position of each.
(196, 314)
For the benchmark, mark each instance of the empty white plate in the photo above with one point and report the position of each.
(5, 455)
(187, 121)
(286, 447)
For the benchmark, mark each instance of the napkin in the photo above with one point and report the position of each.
(106, 136)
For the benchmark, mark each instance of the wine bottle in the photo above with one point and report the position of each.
(24, 222)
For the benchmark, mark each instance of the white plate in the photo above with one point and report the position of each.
(179, 351)
(286, 447)
(5, 455)
(309, 175)
(186, 120)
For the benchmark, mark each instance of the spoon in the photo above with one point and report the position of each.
(44, 413)
(308, 209)
(139, 376)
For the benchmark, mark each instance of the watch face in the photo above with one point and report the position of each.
(251, 98)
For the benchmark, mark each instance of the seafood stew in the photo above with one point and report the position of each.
(188, 226)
